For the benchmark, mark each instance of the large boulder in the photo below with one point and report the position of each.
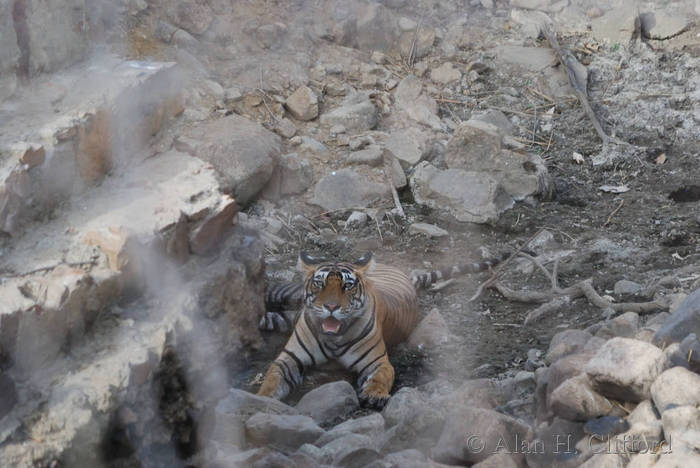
(625, 369)
(478, 146)
(676, 386)
(348, 189)
(683, 321)
(356, 113)
(329, 401)
(467, 195)
(416, 104)
(281, 431)
(243, 153)
(225, 422)
(470, 435)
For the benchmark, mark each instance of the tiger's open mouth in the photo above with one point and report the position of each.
(330, 325)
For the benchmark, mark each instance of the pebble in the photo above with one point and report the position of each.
(429, 230)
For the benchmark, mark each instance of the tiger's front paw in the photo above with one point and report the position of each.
(273, 321)
(373, 396)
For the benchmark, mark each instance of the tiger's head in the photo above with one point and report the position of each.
(335, 293)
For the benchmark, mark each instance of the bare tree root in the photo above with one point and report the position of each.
(557, 297)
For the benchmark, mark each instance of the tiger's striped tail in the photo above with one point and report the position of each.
(283, 303)
(425, 280)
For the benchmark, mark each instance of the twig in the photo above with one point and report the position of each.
(569, 62)
(379, 230)
(614, 212)
(397, 202)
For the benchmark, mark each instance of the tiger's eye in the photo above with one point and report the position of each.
(349, 285)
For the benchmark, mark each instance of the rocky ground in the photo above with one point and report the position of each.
(161, 161)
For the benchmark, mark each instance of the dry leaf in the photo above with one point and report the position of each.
(660, 159)
(578, 158)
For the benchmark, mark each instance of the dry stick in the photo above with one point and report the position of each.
(568, 61)
(494, 275)
(397, 202)
(50, 267)
(614, 212)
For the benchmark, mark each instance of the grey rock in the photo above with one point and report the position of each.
(675, 387)
(497, 460)
(679, 420)
(492, 429)
(662, 25)
(616, 26)
(626, 325)
(270, 36)
(645, 425)
(312, 145)
(303, 104)
(605, 460)
(55, 36)
(409, 458)
(412, 421)
(292, 176)
(429, 230)
(677, 460)
(683, 321)
(606, 426)
(625, 369)
(243, 153)
(533, 59)
(357, 114)
(497, 119)
(347, 189)
(377, 28)
(281, 431)
(9, 395)
(360, 142)
(431, 332)
(311, 451)
(445, 74)
(357, 219)
(350, 450)
(479, 393)
(329, 401)
(575, 400)
(531, 22)
(478, 146)
(565, 368)
(689, 353)
(409, 146)
(557, 443)
(407, 24)
(468, 195)
(392, 164)
(417, 44)
(371, 425)
(372, 156)
(190, 15)
(420, 107)
(627, 287)
(566, 342)
(285, 128)
(227, 422)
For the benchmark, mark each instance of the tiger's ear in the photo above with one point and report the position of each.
(365, 263)
(307, 262)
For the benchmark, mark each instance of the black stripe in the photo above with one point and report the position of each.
(289, 371)
(301, 343)
(315, 335)
(284, 375)
(300, 366)
(366, 353)
(363, 334)
(362, 372)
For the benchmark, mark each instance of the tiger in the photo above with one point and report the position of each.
(353, 313)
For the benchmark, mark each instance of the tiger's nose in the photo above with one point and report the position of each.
(331, 307)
